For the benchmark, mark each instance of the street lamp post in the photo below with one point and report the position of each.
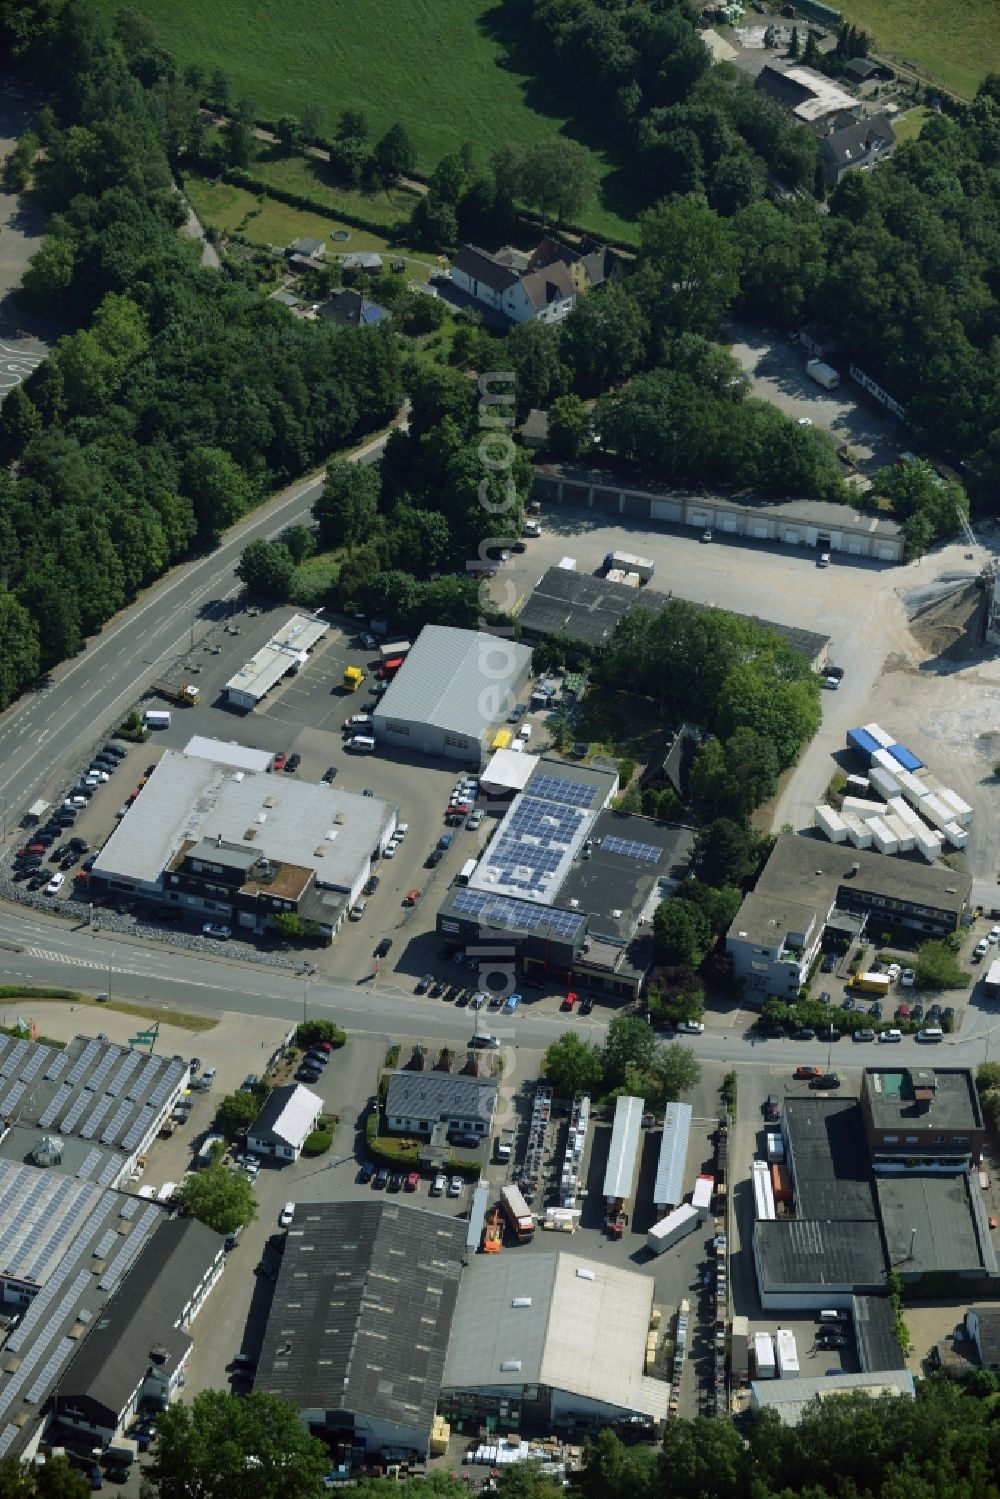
(111, 960)
(305, 1002)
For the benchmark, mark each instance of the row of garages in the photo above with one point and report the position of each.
(816, 524)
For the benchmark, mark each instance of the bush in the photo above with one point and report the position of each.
(318, 1142)
(389, 1151)
(626, 770)
(311, 1031)
(936, 967)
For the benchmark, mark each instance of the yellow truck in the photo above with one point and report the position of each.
(501, 739)
(184, 693)
(872, 983)
(353, 678)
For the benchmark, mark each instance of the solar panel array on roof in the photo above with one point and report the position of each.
(506, 911)
(533, 843)
(556, 789)
(13, 1062)
(645, 853)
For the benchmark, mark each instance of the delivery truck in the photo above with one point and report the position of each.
(823, 374)
(185, 693)
(353, 678)
(628, 562)
(518, 1214)
(872, 983)
(763, 1355)
(153, 718)
(788, 1355)
(674, 1227)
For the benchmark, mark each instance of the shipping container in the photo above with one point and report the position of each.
(830, 823)
(739, 1351)
(858, 833)
(674, 1227)
(701, 1197)
(763, 1192)
(881, 738)
(907, 759)
(788, 1354)
(395, 648)
(763, 1355)
(927, 843)
(956, 836)
(857, 785)
(862, 808)
(823, 374)
(781, 1183)
(901, 831)
(882, 837)
(962, 810)
(775, 1147)
(628, 562)
(884, 759)
(883, 782)
(912, 788)
(900, 807)
(863, 744)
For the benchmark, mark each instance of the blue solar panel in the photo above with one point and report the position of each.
(556, 789)
(506, 911)
(644, 852)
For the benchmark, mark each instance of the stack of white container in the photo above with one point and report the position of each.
(915, 810)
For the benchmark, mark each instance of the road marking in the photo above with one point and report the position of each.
(62, 957)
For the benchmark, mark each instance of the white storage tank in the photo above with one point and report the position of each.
(788, 1354)
(763, 1355)
(830, 822)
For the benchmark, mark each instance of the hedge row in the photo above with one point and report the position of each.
(239, 177)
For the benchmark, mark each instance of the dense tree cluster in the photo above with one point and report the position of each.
(631, 1061)
(187, 396)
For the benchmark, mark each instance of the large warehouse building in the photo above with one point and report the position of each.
(547, 1338)
(452, 690)
(360, 1321)
(284, 655)
(229, 843)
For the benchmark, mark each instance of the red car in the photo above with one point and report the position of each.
(459, 809)
(322, 1046)
(804, 1072)
(569, 1001)
(278, 763)
(412, 1181)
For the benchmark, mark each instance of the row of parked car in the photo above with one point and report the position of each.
(382, 1179)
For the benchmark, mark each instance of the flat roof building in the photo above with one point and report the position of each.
(547, 1338)
(230, 843)
(922, 1118)
(452, 690)
(284, 654)
(778, 929)
(934, 1224)
(790, 1398)
(361, 1319)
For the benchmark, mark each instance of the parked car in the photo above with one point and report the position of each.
(395, 1183)
(772, 1108)
(307, 1074)
(278, 763)
(383, 947)
(864, 1035)
(423, 984)
(828, 964)
(286, 1215)
(248, 1083)
(981, 949)
(381, 1179)
(371, 885)
(805, 1033)
(55, 884)
(801, 1073)
(894, 970)
(365, 1173)
(455, 1187)
(412, 1181)
(876, 1011)
(330, 774)
(434, 858)
(947, 1013)
(438, 1185)
(690, 1027)
(825, 1080)
(218, 930)
(292, 763)
(586, 1005)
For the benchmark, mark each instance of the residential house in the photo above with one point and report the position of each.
(310, 248)
(418, 1102)
(545, 293)
(352, 309)
(859, 145)
(861, 70)
(589, 263)
(285, 1123)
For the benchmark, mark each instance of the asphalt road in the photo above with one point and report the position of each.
(86, 697)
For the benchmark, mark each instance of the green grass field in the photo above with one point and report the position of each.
(429, 63)
(954, 43)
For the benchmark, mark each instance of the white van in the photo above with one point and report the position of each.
(466, 872)
(524, 732)
(153, 718)
(361, 744)
(828, 1316)
(890, 1035)
(931, 1033)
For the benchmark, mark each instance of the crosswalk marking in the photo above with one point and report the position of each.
(63, 957)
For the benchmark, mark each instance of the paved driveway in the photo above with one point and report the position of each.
(22, 224)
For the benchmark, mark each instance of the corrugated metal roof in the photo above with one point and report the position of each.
(668, 1189)
(620, 1174)
(461, 681)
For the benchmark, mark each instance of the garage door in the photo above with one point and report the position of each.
(699, 518)
(636, 505)
(669, 510)
(729, 523)
(887, 553)
(759, 529)
(607, 499)
(855, 548)
(792, 537)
